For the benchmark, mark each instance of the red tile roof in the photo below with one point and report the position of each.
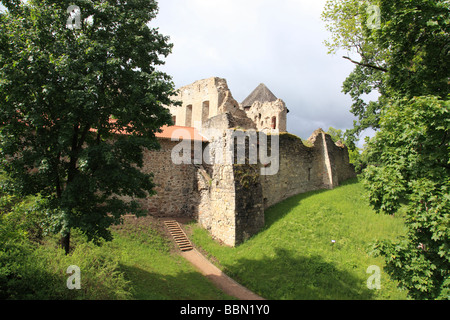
(177, 132)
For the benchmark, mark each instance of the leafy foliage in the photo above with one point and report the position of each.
(29, 272)
(410, 168)
(353, 151)
(406, 60)
(66, 93)
(407, 56)
(30, 268)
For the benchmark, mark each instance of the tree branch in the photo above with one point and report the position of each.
(366, 65)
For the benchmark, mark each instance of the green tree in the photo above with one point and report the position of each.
(410, 172)
(336, 134)
(353, 152)
(406, 55)
(406, 60)
(66, 90)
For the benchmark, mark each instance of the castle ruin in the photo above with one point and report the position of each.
(229, 198)
(206, 99)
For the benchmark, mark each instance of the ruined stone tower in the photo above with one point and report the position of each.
(265, 109)
(205, 99)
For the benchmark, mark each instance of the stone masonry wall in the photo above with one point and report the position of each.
(176, 185)
(228, 199)
(217, 206)
(269, 115)
(230, 195)
(324, 165)
(216, 212)
(249, 202)
(200, 101)
(339, 158)
(205, 99)
(301, 170)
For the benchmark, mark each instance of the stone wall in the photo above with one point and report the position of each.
(208, 98)
(230, 194)
(175, 185)
(322, 165)
(216, 211)
(300, 171)
(248, 201)
(342, 169)
(200, 101)
(233, 196)
(203, 100)
(228, 199)
(269, 115)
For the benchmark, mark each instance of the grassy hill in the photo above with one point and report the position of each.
(140, 263)
(291, 258)
(294, 257)
(154, 268)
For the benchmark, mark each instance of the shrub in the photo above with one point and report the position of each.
(32, 269)
(100, 275)
(410, 170)
(39, 272)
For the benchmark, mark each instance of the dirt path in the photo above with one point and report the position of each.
(221, 280)
(209, 270)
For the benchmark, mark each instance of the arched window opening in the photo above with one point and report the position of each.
(188, 122)
(205, 111)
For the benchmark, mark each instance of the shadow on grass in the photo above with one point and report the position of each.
(281, 209)
(182, 286)
(290, 276)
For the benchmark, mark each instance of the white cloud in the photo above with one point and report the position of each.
(279, 43)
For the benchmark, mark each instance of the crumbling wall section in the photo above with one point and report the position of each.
(339, 157)
(269, 115)
(301, 170)
(200, 101)
(230, 205)
(320, 165)
(249, 201)
(205, 99)
(216, 212)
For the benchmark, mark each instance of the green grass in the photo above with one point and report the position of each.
(293, 256)
(147, 260)
(154, 269)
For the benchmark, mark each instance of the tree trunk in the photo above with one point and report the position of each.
(65, 242)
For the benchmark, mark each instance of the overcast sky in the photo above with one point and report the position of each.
(248, 42)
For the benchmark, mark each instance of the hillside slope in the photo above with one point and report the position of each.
(314, 246)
